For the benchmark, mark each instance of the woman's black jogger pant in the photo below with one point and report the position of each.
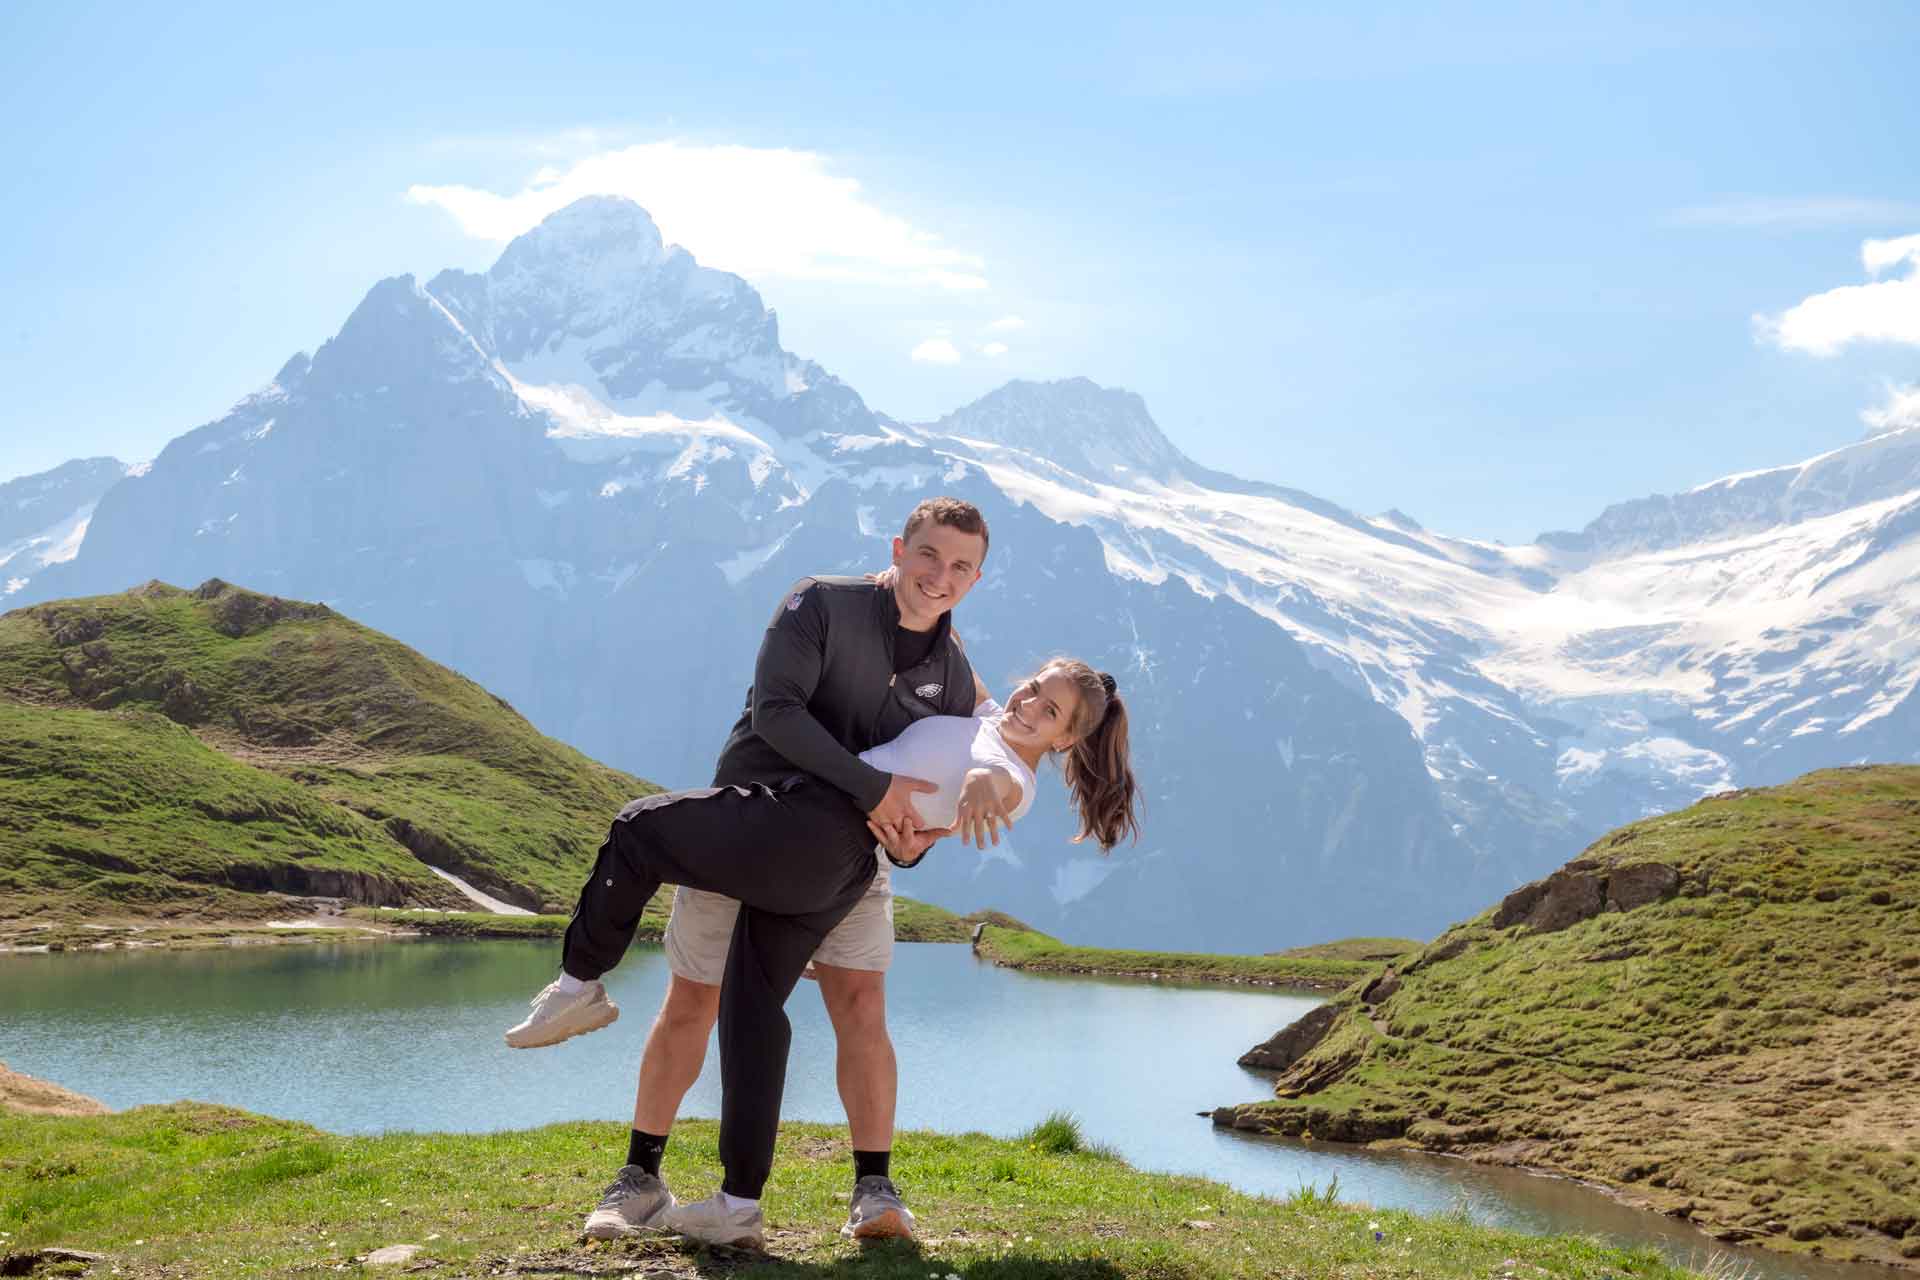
(798, 857)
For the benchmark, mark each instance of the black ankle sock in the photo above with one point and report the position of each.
(868, 1164)
(645, 1150)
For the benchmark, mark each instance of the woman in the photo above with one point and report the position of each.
(799, 858)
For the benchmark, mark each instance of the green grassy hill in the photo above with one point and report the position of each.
(1716, 1012)
(167, 752)
(1328, 965)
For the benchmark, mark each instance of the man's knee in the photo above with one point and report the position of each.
(856, 1000)
(689, 1009)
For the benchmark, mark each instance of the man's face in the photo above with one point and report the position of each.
(934, 569)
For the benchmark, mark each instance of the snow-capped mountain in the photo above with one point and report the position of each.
(44, 518)
(584, 476)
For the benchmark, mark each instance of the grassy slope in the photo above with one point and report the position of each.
(1745, 1052)
(1331, 965)
(163, 749)
(190, 1189)
(915, 921)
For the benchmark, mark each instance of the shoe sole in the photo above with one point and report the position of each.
(739, 1242)
(890, 1225)
(619, 1231)
(603, 1016)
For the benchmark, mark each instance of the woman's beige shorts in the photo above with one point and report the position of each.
(701, 928)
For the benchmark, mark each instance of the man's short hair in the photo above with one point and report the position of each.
(954, 514)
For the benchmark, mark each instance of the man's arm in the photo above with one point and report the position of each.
(792, 656)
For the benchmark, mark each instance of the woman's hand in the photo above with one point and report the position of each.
(984, 808)
(904, 845)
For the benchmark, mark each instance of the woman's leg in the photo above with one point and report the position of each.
(793, 852)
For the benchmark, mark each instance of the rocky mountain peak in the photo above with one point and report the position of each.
(593, 299)
(397, 336)
(596, 237)
(1104, 433)
(1885, 465)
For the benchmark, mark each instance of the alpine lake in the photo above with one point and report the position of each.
(365, 1037)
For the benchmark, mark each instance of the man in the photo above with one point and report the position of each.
(886, 644)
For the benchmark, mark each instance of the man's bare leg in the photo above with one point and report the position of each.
(864, 1065)
(676, 1049)
(869, 1078)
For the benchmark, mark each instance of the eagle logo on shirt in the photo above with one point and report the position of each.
(929, 691)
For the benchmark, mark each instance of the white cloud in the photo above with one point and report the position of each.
(1006, 324)
(756, 211)
(1878, 255)
(1883, 311)
(1900, 410)
(937, 351)
(994, 349)
(1836, 211)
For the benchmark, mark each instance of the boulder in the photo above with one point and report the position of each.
(1563, 899)
(393, 1255)
(1638, 886)
(1381, 989)
(1583, 889)
(1292, 1042)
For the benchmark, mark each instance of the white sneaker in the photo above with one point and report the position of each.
(637, 1201)
(711, 1221)
(558, 1016)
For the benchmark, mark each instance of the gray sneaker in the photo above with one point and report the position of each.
(878, 1212)
(637, 1201)
(711, 1221)
(558, 1016)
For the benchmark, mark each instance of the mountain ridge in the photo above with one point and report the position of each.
(620, 482)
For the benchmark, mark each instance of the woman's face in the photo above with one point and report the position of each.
(1041, 712)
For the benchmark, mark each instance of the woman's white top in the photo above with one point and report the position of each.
(941, 749)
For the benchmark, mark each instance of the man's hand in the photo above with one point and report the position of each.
(983, 811)
(905, 845)
(885, 578)
(896, 807)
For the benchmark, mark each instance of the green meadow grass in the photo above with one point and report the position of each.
(196, 1190)
(1331, 965)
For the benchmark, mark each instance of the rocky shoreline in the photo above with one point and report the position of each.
(1711, 1014)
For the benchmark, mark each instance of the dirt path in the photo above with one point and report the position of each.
(42, 1098)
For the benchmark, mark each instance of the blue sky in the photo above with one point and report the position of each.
(1496, 266)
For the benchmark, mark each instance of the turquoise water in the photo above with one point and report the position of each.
(358, 1038)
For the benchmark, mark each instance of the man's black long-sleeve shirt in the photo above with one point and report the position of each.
(825, 689)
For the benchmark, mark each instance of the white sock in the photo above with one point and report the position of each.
(570, 984)
(736, 1203)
